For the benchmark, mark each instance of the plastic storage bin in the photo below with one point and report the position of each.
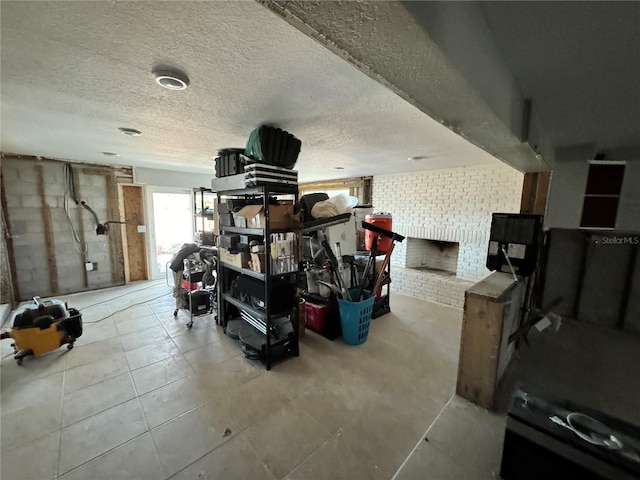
(323, 319)
(317, 317)
(355, 318)
(185, 285)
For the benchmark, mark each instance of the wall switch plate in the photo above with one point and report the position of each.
(95, 265)
(88, 266)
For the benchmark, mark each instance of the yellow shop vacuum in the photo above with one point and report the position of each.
(42, 327)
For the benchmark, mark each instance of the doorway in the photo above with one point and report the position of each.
(172, 227)
(135, 241)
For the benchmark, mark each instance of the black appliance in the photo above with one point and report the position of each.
(282, 295)
(200, 301)
(558, 439)
(514, 242)
(230, 161)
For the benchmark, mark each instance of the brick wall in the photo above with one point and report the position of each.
(427, 285)
(24, 205)
(453, 205)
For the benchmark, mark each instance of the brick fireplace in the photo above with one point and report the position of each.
(445, 216)
(436, 255)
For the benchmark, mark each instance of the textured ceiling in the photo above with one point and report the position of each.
(73, 72)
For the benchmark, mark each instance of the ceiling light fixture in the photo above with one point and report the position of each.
(338, 168)
(171, 79)
(417, 158)
(111, 154)
(132, 132)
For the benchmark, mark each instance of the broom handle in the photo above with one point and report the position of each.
(387, 258)
(365, 274)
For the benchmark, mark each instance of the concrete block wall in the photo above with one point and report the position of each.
(453, 205)
(24, 205)
(5, 278)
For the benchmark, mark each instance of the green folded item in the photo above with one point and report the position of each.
(273, 146)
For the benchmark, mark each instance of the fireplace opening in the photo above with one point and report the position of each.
(435, 255)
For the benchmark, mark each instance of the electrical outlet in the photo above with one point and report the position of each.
(88, 266)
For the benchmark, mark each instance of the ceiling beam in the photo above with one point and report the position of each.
(440, 57)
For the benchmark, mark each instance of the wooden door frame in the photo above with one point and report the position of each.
(123, 229)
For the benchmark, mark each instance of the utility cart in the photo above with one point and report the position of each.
(195, 284)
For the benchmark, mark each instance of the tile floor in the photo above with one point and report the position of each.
(143, 397)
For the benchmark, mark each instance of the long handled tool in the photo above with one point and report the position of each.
(365, 274)
(334, 265)
(395, 237)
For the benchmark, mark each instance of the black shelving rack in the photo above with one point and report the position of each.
(227, 273)
(201, 218)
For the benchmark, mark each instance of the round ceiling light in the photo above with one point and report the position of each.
(111, 154)
(132, 132)
(171, 79)
(338, 168)
(416, 158)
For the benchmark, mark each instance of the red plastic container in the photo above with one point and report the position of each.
(185, 285)
(323, 319)
(382, 220)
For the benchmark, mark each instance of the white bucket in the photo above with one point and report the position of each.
(323, 290)
(313, 275)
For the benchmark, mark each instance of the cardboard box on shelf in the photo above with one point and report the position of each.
(284, 251)
(252, 216)
(239, 220)
(257, 262)
(240, 260)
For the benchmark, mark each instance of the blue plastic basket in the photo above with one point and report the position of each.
(355, 318)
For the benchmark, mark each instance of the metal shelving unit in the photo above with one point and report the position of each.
(203, 220)
(227, 273)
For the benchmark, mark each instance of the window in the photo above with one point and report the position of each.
(330, 192)
(602, 195)
(359, 187)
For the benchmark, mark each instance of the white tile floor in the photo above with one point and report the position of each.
(141, 396)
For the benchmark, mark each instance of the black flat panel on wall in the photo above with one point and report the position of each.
(604, 279)
(565, 249)
(632, 311)
(591, 271)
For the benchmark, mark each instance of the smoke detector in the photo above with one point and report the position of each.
(171, 79)
(132, 132)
